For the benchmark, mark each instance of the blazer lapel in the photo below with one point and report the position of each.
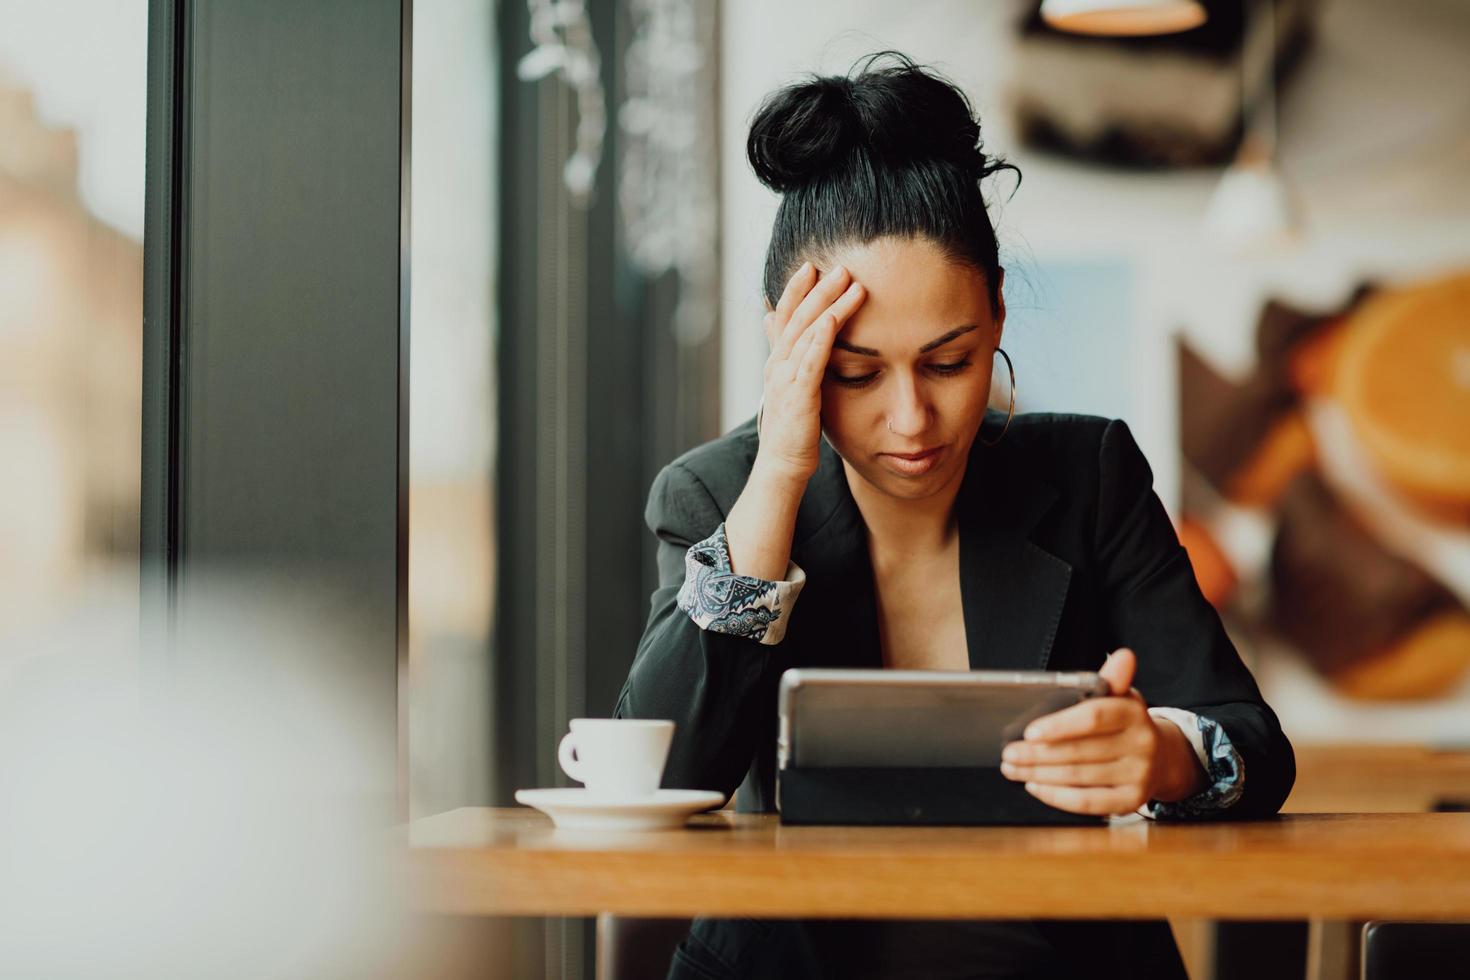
(1012, 590)
(831, 540)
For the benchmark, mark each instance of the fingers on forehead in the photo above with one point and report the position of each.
(815, 302)
(795, 291)
(798, 282)
(850, 300)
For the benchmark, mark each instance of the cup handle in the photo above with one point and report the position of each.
(566, 754)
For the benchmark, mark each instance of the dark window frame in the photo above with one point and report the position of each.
(241, 385)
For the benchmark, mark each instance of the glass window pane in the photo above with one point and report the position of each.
(73, 88)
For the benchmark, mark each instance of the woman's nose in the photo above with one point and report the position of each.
(908, 414)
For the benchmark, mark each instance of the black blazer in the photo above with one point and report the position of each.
(1066, 553)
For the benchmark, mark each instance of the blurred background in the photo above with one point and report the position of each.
(1248, 239)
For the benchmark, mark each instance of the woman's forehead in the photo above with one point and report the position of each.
(914, 293)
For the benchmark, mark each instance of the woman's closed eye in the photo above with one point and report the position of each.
(863, 380)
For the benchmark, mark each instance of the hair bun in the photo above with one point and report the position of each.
(801, 131)
(876, 115)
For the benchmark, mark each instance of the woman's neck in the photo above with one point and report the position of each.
(903, 528)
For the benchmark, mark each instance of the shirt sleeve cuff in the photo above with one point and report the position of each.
(720, 601)
(1222, 764)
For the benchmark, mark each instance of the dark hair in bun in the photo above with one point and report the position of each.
(889, 149)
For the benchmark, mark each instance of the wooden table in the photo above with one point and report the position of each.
(1334, 866)
(1348, 778)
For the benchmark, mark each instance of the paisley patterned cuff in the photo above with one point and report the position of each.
(1223, 766)
(720, 601)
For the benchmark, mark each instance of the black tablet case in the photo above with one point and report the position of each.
(912, 796)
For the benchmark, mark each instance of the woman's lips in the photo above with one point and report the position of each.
(913, 464)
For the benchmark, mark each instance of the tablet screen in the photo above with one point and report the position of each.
(847, 718)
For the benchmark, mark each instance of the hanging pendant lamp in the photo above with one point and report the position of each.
(1123, 18)
(1255, 209)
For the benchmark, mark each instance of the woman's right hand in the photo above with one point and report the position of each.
(800, 331)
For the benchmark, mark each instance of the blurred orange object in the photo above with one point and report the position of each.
(1429, 662)
(1404, 380)
(1312, 364)
(1286, 450)
(1212, 570)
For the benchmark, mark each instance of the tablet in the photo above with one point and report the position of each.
(916, 718)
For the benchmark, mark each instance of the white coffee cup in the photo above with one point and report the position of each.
(616, 757)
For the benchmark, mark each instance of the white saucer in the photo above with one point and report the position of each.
(576, 809)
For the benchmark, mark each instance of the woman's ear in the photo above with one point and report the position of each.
(1000, 306)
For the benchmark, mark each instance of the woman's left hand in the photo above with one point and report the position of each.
(1106, 755)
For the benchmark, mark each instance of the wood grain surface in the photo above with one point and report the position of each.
(1350, 866)
(1346, 778)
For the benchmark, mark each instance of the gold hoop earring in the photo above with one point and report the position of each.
(1011, 411)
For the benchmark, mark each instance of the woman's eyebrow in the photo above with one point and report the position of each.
(931, 345)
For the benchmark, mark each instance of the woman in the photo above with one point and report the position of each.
(920, 531)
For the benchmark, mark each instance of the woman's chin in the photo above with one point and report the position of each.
(893, 481)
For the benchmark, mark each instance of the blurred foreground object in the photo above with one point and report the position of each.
(207, 809)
